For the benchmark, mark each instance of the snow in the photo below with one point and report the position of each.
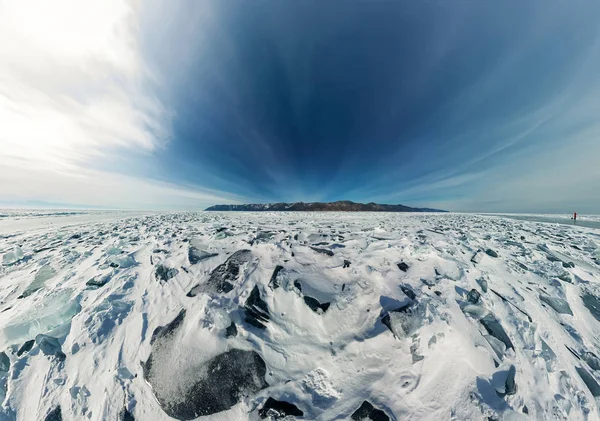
(105, 314)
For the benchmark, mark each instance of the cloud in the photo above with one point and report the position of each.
(75, 95)
(72, 85)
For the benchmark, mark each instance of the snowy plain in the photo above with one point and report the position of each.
(335, 316)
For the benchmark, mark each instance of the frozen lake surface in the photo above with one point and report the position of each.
(318, 316)
(582, 221)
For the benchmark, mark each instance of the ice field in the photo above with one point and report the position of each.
(317, 316)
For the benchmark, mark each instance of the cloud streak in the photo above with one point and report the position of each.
(76, 95)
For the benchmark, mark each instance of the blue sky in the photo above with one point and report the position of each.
(466, 106)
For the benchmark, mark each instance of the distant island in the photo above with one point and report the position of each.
(340, 206)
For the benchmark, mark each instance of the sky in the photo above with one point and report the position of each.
(463, 105)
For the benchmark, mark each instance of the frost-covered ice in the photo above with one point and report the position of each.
(324, 316)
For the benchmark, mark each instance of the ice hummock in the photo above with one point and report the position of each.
(501, 318)
(50, 312)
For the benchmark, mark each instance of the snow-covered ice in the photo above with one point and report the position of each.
(320, 316)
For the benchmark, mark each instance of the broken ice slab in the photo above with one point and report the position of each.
(405, 320)
(257, 311)
(497, 345)
(54, 415)
(473, 296)
(592, 360)
(221, 278)
(315, 305)
(549, 356)
(494, 328)
(555, 256)
(477, 257)
(53, 310)
(44, 274)
(274, 409)
(403, 266)
(558, 304)
(216, 386)
(164, 273)
(322, 251)
(4, 363)
(589, 381)
(99, 281)
(491, 253)
(26, 347)
(511, 386)
(231, 331)
(367, 411)
(507, 379)
(121, 261)
(274, 282)
(483, 284)
(592, 303)
(408, 292)
(475, 310)
(13, 256)
(126, 415)
(48, 344)
(196, 255)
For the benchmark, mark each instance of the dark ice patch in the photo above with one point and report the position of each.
(322, 251)
(592, 303)
(279, 409)
(298, 285)
(476, 258)
(126, 415)
(50, 346)
(4, 362)
(257, 311)
(54, 415)
(589, 381)
(491, 253)
(494, 328)
(315, 305)
(504, 382)
(221, 383)
(231, 331)
(554, 256)
(403, 267)
(26, 347)
(473, 296)
(222, 278)
(506, 300)
(510, 384)
(368, 412)
(408, 292)
(164, 331)
(402, 321)
(274, 282)
(592, 360)
(558, 304)
(483, 284)
(164, 273)
(99, 281)
(196, 256)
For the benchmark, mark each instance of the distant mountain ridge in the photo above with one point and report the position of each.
(339, 206)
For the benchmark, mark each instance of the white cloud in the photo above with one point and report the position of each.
(71, 84)
(75, 93)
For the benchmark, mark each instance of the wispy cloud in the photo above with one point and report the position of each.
(75, 92)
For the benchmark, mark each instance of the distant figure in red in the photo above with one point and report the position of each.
(575, 216)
